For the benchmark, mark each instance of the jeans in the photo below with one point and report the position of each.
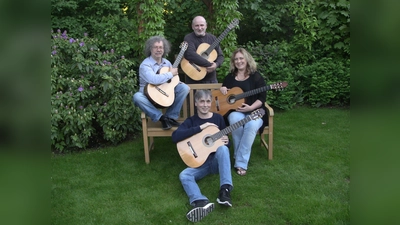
(218, 162)
(243, 138)
(140, 100)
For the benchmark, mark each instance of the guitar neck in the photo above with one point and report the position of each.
(178, 59)
(231, 128)
(216, 42)
(252, 92)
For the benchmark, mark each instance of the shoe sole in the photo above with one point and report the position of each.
(197, 214)
(224, 203)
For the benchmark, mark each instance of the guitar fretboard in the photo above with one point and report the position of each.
(216, 42)
(229, 129)
(222, 36)
(179, 58)
(252, 92)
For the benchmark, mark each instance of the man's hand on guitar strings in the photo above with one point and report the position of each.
(225, 139)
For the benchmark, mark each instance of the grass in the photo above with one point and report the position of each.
(307, 182)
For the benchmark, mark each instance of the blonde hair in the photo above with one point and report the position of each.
(251, 66)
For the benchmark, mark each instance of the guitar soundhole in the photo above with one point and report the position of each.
(208, 141)
(231, 99)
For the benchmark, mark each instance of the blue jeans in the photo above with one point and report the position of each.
(243, 138)
(219, 162)
(140, 100)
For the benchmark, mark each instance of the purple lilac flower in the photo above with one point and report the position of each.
(81, 107)
(58, 31)
(54, 52)
(80, 89)
(91, 88)
(122, 57)
(82, 44)
(71, 40)
(64, 34)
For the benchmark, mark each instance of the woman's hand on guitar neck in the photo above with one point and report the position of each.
(205, 125)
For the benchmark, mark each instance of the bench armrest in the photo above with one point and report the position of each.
(270, 110)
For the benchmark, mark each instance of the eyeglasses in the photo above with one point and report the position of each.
(158, 47)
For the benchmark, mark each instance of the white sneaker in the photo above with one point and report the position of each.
(198, 213)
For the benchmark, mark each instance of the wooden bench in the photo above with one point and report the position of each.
(154, 129)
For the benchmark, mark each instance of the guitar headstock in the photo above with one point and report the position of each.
(256, 114)
(279, 86)
(233, 24)
(183, 46)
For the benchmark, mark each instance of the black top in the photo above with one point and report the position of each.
(253, 82)
(191, 55)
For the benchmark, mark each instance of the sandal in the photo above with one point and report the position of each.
(240, 171)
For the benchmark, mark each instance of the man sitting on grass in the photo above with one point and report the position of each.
(217, 162)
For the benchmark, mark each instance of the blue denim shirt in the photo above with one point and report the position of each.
(148, 72)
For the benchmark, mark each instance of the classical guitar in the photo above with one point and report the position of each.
(206, 51)
(194, 151)
(163, 95)
(222, 104)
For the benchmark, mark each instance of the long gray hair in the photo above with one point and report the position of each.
(150, 42)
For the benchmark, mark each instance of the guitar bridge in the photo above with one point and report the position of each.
(191, 149)
(217, 103)
(161, 91)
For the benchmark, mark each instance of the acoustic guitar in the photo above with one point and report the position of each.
(222, 104)
(163, 95)
(206, 51)
(195, 150)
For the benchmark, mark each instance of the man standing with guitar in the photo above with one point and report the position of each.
(156, 48)
(196, 61)
(218, 162)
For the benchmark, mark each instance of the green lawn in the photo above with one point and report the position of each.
(307, 182)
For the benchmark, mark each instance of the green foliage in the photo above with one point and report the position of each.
(227, 11)
(315, 28)
(322, 82)
(326, 82)
(334, 26)
(273, 64)
(91, 92)
(178, 15)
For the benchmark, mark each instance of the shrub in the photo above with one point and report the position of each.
(319, 82)
(273, 64)
(91, 93)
